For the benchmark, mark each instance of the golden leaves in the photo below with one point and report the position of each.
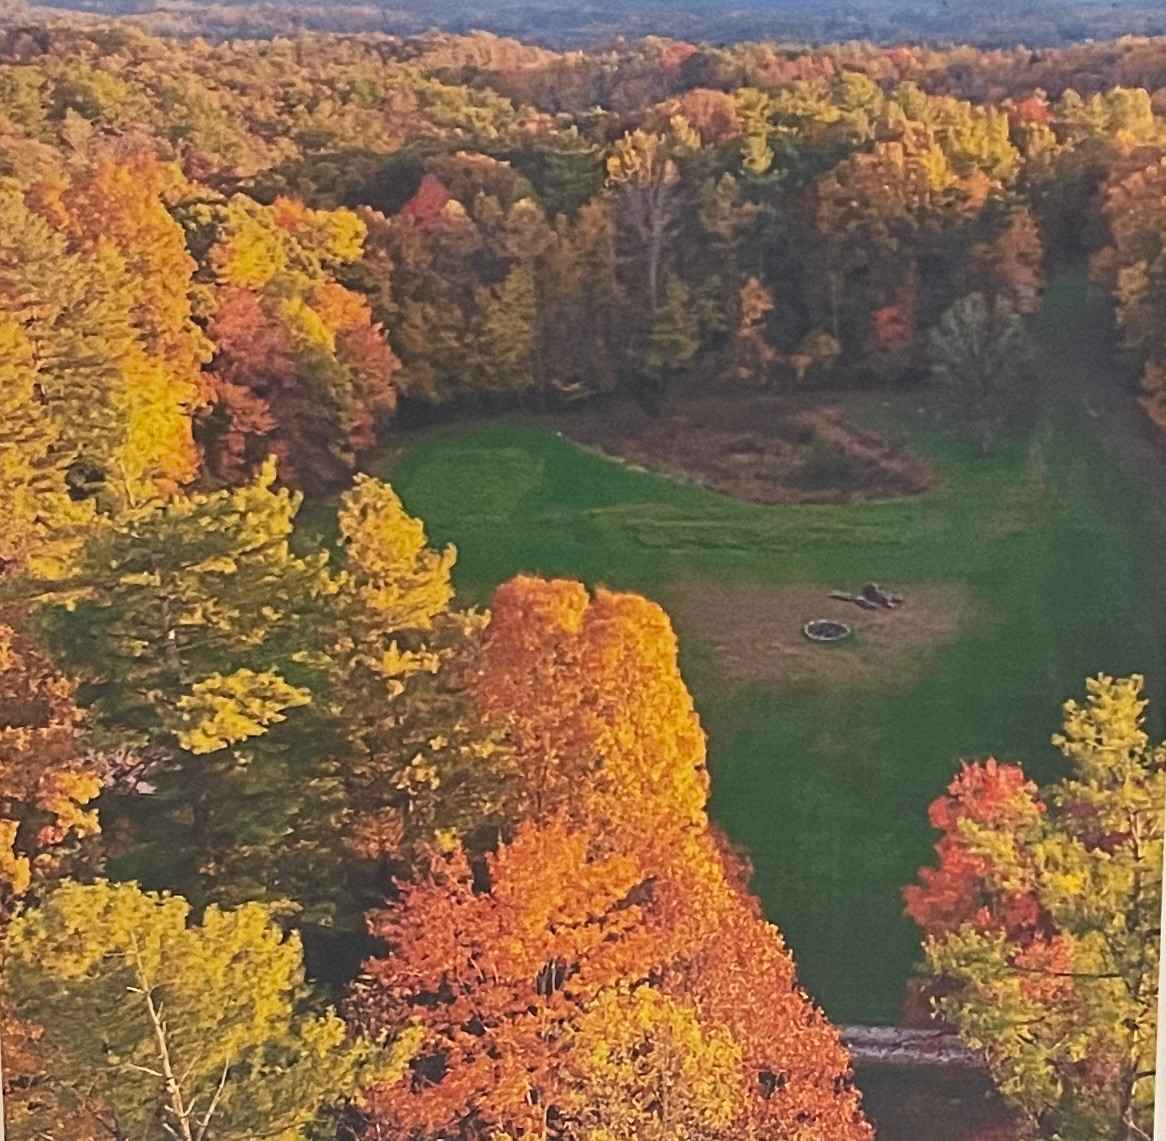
(223, 710)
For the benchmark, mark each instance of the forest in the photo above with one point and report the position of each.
(421, 459)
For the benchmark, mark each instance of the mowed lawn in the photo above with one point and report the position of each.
(1039, 565)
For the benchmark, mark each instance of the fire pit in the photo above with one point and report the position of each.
(826, 630)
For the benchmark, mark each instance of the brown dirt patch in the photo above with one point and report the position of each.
(755, 632)
(763, 449)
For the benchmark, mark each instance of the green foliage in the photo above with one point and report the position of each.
(1067, 1020)
(202, 640)
(673, 339)
(508, 329)
(169, 596)
(421, 767)
(153, 1023)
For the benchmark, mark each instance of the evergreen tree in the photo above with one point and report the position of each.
(198, 634)
(673, 341)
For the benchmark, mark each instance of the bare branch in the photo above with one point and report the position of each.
(210, 1109)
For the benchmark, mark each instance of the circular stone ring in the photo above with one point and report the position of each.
(826, 630)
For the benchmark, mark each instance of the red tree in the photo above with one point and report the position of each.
(957, 890)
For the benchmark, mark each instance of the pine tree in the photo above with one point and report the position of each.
(507, 338)
(673, 340)
(422, 769)
(199, 632)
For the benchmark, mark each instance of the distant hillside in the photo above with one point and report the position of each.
(559, 23)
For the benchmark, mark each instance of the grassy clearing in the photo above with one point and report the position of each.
(1055, 547)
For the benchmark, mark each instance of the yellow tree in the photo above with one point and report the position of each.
(642, 1067)
(156, 1026)
(588, 692)
(122, 417)
(38, 519)
(113, 212)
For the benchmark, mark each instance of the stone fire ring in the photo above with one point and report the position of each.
(826, 630)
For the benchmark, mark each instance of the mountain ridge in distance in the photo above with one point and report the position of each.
(555, 23)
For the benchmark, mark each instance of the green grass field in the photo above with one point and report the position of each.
(1059, 537)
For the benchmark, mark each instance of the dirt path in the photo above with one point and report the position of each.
(1084, 379)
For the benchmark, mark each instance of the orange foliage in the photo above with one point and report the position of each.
(123, 201)
(312, 402)
(589, 692)
(501, 969)
(254, 358)
(114, 210)
(712, 113)
(1034, 109)
(958, 890)
(798, 1069)
(1017, 260)
(613, 882)
(46, 783)
(497, 976)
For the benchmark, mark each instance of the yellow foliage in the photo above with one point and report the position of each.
(396, 575)
(645, 1069)
(224, 710)
(15, 870)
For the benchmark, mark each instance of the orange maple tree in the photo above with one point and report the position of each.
(504, 964)
(613, 883)
(589, 692)
(497, 976)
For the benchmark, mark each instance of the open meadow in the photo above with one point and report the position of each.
(1024, 572)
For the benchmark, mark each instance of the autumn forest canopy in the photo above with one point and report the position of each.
(420, 451)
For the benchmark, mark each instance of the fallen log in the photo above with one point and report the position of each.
(901, 1047)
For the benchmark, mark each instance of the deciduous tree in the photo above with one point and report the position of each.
(154, 1026)
(588, 692)
(1041, 922)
